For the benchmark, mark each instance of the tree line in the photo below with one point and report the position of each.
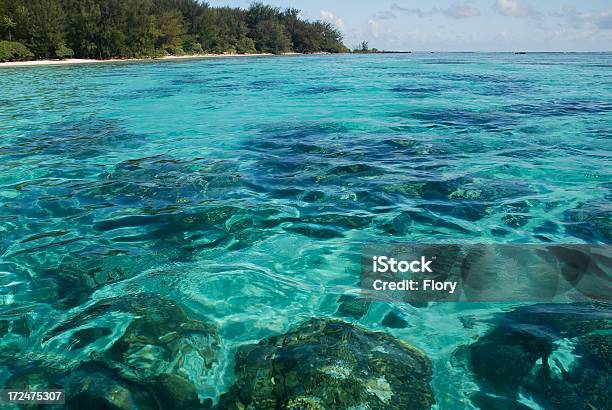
(151, 28)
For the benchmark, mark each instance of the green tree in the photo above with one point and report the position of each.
(62, 52)
(170, 32)
(83, 26)
(12, 50)
(259, 12)
(8, 24)
(139, 28)
(45, 27)
(245, 45)
(272, 37)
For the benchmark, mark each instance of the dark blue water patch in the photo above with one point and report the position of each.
(524, 152)
(147, 93)
(268, 84)
(86, 138)
(301, 153)
(417, 91)
(590, 221)
(460, 119)
(607, 188)
(322, 89)
(547, 227)
(505, 88)
(488, 84)
(409, 74)
(302, 131)
(323, 167)
(192, 80)
(161, 181)
(314, 232)
(518, 354)
(449, 62)
(201, 80)
(345, 221)
(437, 151)
(191, 220)
(558, 108)
(475, 78)
(467, 210)
(294, 147)
(505, 189)
(394, 320)
(409, 222)
(356, 169)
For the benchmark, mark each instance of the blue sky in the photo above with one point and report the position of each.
(457, 25)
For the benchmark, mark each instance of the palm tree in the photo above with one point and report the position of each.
(9, 24)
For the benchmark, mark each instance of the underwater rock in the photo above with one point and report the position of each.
(84, 337)
(408, 221)
(19, 326)
(394, 320)
(80, 139)
(494, 402)
(558, 355)
(93, 385)
(467, 210)
(314, 232)
(157, 341)
(591, 221)
(161, 181)
(174, 392)
(69, 276)
(343, 221)
(352, 306)
(330, 364)
(503, 357)
(79, 274)
(32, 375)
(356, 169)
(96, 387)
(144, 367)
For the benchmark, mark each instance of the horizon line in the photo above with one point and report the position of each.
(496, 51)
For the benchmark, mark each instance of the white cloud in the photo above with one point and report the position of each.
(456, 10)
(584, 20)
(604, 20)
(461, 11)
(515, 8)
(374, 28)
(332, 18)
(416, 11)
(385, 15)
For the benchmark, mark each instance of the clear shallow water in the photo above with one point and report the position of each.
(243, 188)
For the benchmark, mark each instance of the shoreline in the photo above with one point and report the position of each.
(75, 61)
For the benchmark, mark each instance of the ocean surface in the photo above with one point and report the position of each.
(243, 189)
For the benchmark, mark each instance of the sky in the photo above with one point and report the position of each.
(457, 25)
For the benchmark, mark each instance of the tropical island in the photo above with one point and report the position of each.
(127, 29)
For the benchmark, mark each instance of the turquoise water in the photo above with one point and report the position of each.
(243, 188)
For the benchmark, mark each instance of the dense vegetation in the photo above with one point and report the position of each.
(149, 28)
(364, 48)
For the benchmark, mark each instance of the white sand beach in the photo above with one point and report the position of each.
(70, 61)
